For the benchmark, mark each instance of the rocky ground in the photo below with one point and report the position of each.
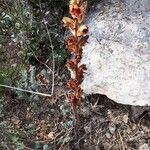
(48, 124)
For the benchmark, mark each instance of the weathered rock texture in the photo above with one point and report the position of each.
(118, 54)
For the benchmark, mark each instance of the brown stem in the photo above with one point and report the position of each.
(74, 106)
(76, 120)
(74, 110)
(77, 46)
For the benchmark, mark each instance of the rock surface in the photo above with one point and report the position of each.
(118, 54)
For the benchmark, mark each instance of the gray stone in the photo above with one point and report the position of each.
(118, 53)
(144, 147)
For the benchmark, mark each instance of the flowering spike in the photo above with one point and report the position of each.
(74, 44)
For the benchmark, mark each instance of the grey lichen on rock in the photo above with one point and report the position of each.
(118, 53)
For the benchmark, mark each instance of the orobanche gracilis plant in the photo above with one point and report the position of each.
(74, 44)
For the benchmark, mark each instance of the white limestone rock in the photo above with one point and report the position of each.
(118, 53)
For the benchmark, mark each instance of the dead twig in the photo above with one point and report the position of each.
(53, 58)
(24, 90)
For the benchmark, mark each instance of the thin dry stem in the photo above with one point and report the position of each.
(23, 90)
(53, 60)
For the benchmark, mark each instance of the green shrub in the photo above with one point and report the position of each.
(24, 23)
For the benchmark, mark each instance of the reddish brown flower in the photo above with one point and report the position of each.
(73, 101)
(78, 9)
(71, 40)
(83, 40)
(71, 65)
(83, 67)
(71, 98)
(71, 43)
(73, 84)
(80, 72)
(75, 11)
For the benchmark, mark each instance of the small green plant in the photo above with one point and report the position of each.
(10, 138)
(7, 76)
(23, 24)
